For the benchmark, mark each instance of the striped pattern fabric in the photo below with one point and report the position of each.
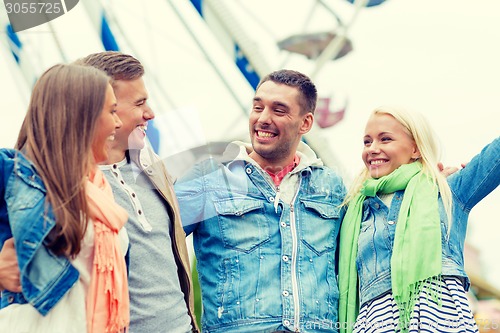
(453, 316)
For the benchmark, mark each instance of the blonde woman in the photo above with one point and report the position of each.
(402, 237)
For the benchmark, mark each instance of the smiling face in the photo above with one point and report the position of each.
(276, 124)
(134, 112)
(387, 145)
(106, 127)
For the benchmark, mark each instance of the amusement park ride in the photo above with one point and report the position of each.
(203, 60)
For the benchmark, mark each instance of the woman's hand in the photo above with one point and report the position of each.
(9, 268)
(448, 171)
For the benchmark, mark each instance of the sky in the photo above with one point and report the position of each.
(440, 58)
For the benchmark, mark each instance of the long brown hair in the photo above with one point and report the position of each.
(56, 136)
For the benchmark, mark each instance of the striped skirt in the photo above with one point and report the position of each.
(452, 316)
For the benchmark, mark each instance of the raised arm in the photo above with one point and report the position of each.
(479, 178)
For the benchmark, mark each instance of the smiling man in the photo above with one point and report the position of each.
(160, 288)
(134, 110)
(277, 124)
(265, 223)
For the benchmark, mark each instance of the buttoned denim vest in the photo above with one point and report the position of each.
(468, 186)
(45, 278)
(263, 263)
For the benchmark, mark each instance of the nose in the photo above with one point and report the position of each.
(374, 148)
(265, 116)
(118, 121)
(148, 113)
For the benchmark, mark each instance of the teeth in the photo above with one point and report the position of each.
(377, 162)
(111, 137)
(264, 134)
(143, 128)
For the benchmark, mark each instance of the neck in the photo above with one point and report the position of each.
(273, 166)
(115, 156)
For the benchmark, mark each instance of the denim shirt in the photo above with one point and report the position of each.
(264, 263)
(468, 186)
(45, 278)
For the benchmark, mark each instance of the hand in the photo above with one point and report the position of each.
(448, 171)
(9, 268)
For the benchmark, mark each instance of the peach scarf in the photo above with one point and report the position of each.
(107, 298)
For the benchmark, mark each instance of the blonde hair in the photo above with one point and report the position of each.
(420, 131)
(56, 135)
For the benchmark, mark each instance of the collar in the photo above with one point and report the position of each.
(113, 165)
(238, 151)
(278, 177)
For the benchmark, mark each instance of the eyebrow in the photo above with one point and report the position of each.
(283, 105)
(275, 103)
(379, 134)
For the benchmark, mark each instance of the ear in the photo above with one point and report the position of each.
(307, 123)
(416, 153)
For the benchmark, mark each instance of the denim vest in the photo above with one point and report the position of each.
(263, 263)
(468, 186)
(45, 278)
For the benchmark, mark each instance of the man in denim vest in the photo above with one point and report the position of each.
(265, 220)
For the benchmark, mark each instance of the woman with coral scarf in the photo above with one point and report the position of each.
(67, 229)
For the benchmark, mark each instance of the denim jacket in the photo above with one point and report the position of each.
(468, 186)
(266, 254)
(45, 278)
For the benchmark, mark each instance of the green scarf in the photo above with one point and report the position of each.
(416, 256)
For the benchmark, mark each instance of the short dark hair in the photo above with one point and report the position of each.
(117, 65)
(308, 92)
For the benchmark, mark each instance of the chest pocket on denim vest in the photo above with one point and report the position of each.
(319, 224)
(243, 223)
